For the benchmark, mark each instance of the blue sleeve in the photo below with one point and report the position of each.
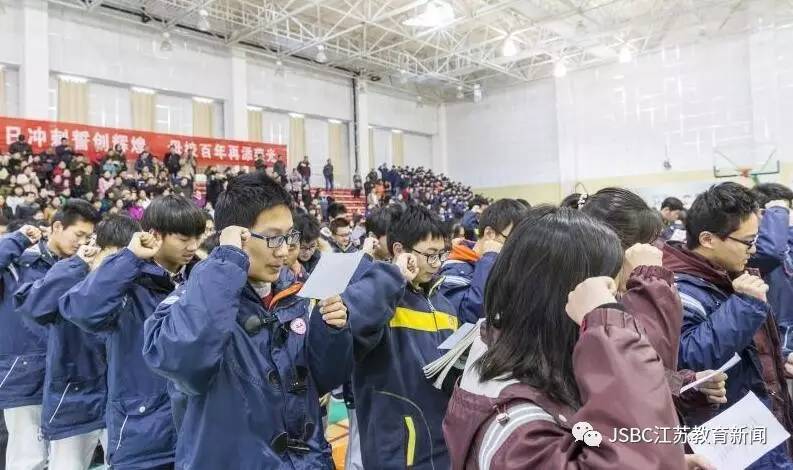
(473, 301)
(371, 302)
(94, 303)
(185, 339)
(11, 247)
(329, 353)
(709, 340)
(772, 240)
(39, 300)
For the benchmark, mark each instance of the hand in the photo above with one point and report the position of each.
(789, 366)
(457, 241)
(370, 245)
(642, 254)
(751, 286)
(334, 312)
(235, 236)
(88, 253)
(488, 246)
(698, 462)
(144, 245)
(408, 265)
(33, 233)
(715, 389)
(589, 295)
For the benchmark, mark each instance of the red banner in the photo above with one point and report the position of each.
(94, 142)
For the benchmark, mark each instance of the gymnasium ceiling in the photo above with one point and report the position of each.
(443, 49)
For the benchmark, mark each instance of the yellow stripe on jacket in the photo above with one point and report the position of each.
(423, 321)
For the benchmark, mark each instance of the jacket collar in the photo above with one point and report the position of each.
(464, 252)
(680, 260)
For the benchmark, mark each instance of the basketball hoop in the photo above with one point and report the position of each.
(744, 172)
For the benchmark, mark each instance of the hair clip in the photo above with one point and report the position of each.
(582, 200)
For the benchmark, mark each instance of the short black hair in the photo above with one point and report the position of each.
(116, 231)
(412, 225)
(571, 201)
(174, 214)
(336, 224)
(501, 214)
(245, 197)
(76, 210)
(210, 243)
(767, 192)
(307, 226)
(524, 202)
(673, 204)
(719, 210)
(627, 214)
(380, 219)
(336, 209)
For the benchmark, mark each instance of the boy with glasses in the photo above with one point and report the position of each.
(466, 271)
(725, 309)
(251, 358)
(399, 318)
(309, 241)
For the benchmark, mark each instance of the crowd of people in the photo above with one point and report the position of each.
(174, 336)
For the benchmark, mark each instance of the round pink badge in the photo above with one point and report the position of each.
(298, 326)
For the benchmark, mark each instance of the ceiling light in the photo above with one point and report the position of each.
(279, 68)
(199, 99)
(296, 115)
(460, 94)
(509, 48)
(437, 13)
(166, 45)
(419, 102)
(73, 79)
(145, 91)
(559, 70)
(361, 86)
(203, 22)
(626, 55)
(396, 131)
(403, 76)
(254, 108)
(321, 57)
(477, 93)
(334, 121)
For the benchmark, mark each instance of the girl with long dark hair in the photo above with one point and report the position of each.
(558, 353)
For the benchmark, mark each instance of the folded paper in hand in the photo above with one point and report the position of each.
(733, 360)
(331, 275)
(458, 346)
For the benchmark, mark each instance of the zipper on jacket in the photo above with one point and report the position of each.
(121, 432)
(9, 371)
(60, 402)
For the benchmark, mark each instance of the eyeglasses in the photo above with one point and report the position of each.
(291, 238)
(748, 244)
(310, 247)
(433, 258)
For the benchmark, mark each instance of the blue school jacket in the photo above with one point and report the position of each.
(75, 389)
(397, 330)
(115, 300)
(464, 281)
(23, 344)
(252, 373)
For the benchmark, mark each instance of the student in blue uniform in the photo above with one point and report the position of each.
(251, 359)
(23, 344)
(465, 272)
(115, 300)
(399, 318)
(75, 390)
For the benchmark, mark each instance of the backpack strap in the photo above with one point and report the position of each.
(506, 422)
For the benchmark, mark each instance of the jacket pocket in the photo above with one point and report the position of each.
(75, 402)
(22, 376)
(139, 428)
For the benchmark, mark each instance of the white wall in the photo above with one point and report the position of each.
(418, 150)
(10, 34)
(382, 147)
(507, 139)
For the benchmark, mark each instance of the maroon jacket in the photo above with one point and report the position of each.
(652, 299)
(622, 385)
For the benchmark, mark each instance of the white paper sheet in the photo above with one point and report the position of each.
(457, 336)
(331, 275)
(728, 446)
(733, 360)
